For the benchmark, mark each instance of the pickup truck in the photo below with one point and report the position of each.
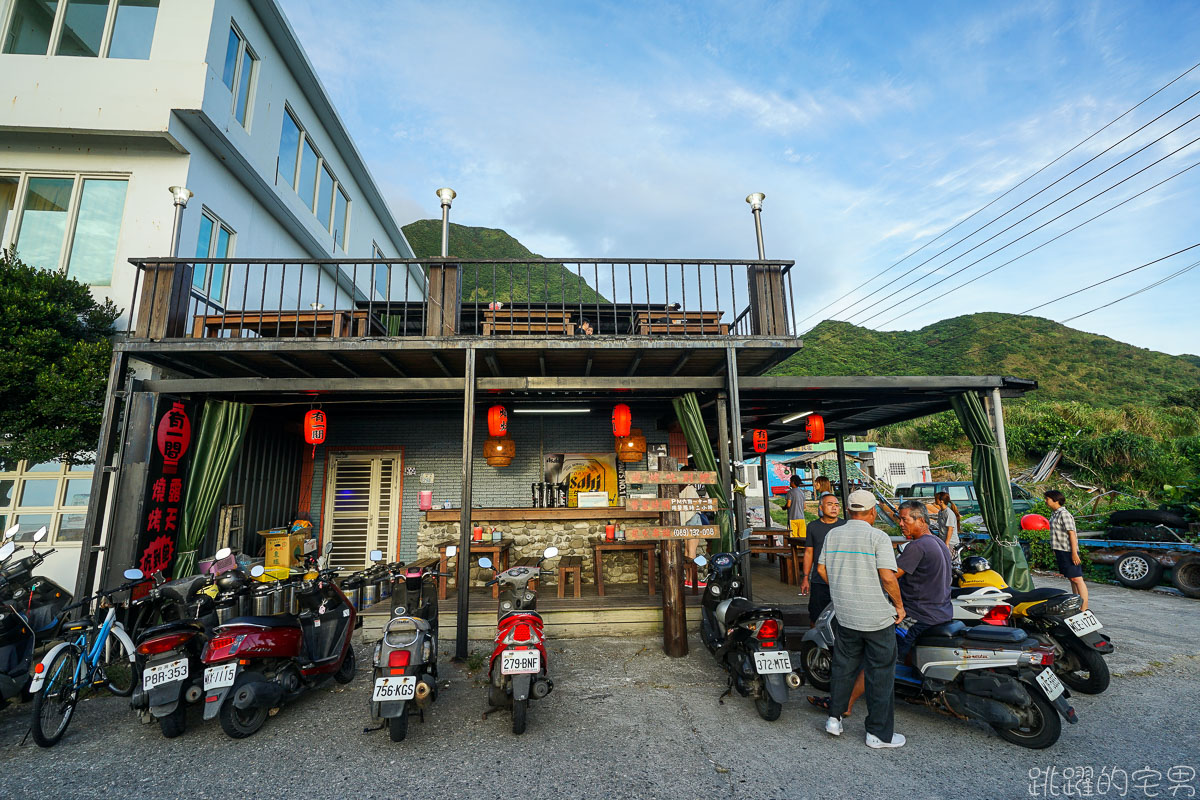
(963, 495)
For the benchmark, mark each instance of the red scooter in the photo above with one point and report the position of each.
(518, 666)
(254, 664)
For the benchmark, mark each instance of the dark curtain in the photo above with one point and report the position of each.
(687, 410)
(994, 493)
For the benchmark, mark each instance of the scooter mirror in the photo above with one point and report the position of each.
(700, 561)
(452, 551)
(222, 554)
(134, 575)
(257, 570)
(7, 550)
(550, 552)
(11, 532)
(485, 562)
(328, 547)
(376, 555)
(40, 534)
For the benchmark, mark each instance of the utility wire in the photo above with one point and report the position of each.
(1159, 282)
(1003, 195)
(1043, 244)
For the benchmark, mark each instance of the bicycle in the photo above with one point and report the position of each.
(101, 655)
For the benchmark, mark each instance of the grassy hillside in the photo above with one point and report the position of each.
(510, 283)
(1070, 365)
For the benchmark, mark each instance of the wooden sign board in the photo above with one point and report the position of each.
(673, 532)
(662, 476)
(684, 504)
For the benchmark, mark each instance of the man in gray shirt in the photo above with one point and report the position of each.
(858, 563)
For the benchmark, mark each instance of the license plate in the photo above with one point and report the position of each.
(219, 677)
(768, 662)
(1050, 683)
(403, 687)
(167, 672)
(520, 662)
(1083, 623)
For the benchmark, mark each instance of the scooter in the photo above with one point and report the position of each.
(169, 653)
(1052, 616)
(255, 664)
(518, 668)
(405, 660)
(31, 612)
(745, 638)
(994, 674)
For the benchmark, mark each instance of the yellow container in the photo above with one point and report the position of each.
(274, 574)
(283, 550)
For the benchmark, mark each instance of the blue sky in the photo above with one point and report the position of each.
(637, 130)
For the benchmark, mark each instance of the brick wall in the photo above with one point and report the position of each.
(433, 443)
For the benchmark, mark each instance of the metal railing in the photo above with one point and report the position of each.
(238, 298)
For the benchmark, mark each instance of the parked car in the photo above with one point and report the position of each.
(963, 495)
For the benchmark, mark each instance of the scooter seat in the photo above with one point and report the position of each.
(518, 613)
(180, 626)
(1034, 595)
(994, 633)
(740, 609)
(959, 591)
(943, 631)
(275, 621)
(181, 589)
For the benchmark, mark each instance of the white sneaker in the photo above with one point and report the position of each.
(877, 743)
(833, 726)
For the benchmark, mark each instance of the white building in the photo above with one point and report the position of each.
(107, 103)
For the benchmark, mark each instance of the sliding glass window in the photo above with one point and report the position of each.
(213, 242)
(94, 246)
(44, 221)
(289, 149)
(29, 27)
(82, 28)
(133, 29)
(238, 73)
(312, 179)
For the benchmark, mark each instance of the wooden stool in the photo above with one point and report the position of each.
(531, 563)
(569, 565)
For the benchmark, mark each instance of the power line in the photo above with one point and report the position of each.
(1157, 283)
(1005, 194)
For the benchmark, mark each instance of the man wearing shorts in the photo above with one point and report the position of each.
(1065, 544)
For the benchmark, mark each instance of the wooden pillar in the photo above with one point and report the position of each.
(768, 306)
(442, 303)
(464, 522)
(164, 301)
(675, 642)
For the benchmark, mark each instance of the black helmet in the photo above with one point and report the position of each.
(972, 564)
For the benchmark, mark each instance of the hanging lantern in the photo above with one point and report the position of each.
(622, 418)
(760, 440)
(815, 426)
(174, 436)
(497, 422)
(632, 447)
(499, 451)
(314, 427)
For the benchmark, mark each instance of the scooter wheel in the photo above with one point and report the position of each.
(1041, 730)
(1091, 675)
(818, 666)
(175, 723)
(345, 672)
(767, 708)
(398, 726)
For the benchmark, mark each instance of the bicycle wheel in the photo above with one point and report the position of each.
(54, 704)
(119, 671)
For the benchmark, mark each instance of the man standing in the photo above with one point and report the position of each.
(793, 503)
(812, 584)
(924, 571)
(1065, 544)
(858, 564)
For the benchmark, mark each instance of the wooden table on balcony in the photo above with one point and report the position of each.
(679, 323)
(529, 321)
(335, 324)
(497, 550)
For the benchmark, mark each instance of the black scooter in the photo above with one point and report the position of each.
(31, 612)
(747, 639)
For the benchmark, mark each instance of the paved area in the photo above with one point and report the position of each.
(625, 721)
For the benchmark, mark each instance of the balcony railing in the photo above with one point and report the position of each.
(226, 298)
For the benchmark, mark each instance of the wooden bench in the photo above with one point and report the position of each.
(531, 563)
(569, 565)
(679, 323)
(527, 321)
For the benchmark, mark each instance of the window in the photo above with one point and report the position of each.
(238, 74)
(301, 165)
(381, 273)
(213, 242)
(51, 494)
(897, 468)
(70, 222)
(958, 493)
(82, 28)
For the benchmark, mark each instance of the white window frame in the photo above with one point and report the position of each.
(60, 13)
(58, 510)
(243, 48)
(322, 163)
(218, 223)
(64, 253)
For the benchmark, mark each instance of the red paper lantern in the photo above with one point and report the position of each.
(622, 418)
(815, 426)
(497, 422)
(314, 427)
(760, 440)
(173, 437)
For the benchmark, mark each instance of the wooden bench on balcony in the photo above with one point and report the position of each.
(335, 324)
(679, 323)
(527, 321)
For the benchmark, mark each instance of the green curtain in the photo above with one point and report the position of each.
(994, 493)
(687, 411)
(222, 429)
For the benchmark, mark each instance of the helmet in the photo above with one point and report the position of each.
(972, 564)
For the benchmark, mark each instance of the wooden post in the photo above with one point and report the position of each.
(441, 318)
(768, 307)
(164, 302)
(675, 642)
(464, 520)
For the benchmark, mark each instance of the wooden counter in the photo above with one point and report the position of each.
(501, 514)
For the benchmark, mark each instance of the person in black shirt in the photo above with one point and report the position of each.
(811, 584)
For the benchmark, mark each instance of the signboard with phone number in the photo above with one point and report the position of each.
(672, 532)
(662, 476)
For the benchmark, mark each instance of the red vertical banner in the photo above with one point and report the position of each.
(166, 475)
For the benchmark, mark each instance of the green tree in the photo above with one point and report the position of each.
(55, 350)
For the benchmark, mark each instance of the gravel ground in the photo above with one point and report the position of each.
(625, 720)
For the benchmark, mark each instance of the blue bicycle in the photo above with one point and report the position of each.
(100, 655)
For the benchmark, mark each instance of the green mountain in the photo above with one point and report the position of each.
(1069, 364)
(511, 283)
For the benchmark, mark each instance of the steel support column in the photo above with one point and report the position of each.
(844, 474)
(1001, 439)
(739, 498)
(464, 533)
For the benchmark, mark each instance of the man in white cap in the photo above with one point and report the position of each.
(858, 564)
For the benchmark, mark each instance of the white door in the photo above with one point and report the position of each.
(362, 506)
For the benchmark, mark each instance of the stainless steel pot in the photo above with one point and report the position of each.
(370, 593)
